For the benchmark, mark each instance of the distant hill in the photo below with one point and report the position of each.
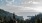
(5, 13)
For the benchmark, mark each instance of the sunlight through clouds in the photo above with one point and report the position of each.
(36, 3)
(38, 9)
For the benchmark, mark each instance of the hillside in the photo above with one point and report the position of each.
(5, 13)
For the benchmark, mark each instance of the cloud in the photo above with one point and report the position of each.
(21, 6)
(38, 9)
(24, 6)
(35, 2)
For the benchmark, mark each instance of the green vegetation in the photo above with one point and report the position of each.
(5, 17)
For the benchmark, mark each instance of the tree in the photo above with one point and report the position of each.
(14, 19)
(21, 21)
(14, 16)
(5, 20)
(18, 21)
(38, 20)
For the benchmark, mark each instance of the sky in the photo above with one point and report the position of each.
(22, 7)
